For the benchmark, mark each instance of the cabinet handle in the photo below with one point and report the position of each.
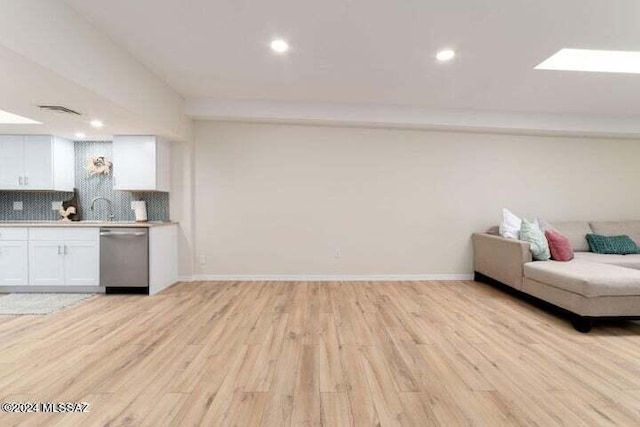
(122, 233)
(20, 181)
(26, 180)
(66, 250)
(59, 250)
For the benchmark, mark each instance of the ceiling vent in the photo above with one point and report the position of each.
(59, 109)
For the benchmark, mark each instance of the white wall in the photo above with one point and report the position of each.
(276, 199)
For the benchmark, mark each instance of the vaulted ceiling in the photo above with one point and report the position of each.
(380, 52)
(151, 65)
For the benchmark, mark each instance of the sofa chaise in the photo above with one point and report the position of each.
(590, 286)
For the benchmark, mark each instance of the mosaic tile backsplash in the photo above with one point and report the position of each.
(37, 206)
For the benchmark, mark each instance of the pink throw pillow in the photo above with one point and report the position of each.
(559, 246)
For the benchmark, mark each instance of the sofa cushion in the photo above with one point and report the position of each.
(612, 245)
(628, 261)
(617, 228)
(576, 232)
(543, 225)
(590, 279)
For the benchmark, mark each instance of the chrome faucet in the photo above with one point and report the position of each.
(111, 215)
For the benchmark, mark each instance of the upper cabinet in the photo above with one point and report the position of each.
(141, 163)
(36, 162)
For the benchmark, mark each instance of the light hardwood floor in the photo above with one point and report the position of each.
(333, 354)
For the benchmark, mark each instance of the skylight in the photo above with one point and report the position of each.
(603, 61)
(7, 118)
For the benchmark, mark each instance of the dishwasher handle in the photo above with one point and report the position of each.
(122, 233)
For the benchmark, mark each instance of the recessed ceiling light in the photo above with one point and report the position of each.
(445, 55)
(603, 61)
(7, 118)
(96, 123)
(80, 135)
(279, 46)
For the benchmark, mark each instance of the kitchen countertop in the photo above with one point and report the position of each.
(93, 224)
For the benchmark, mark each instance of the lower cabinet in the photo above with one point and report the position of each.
(64, 257)
(14, 267)
(81, 263)
(46, 263)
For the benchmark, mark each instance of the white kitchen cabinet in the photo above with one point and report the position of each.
(64, 257)
(141, 163)
(14, 267)
(46, 263)
(36, 162)
(14, 270)
(11, 161)
(81, 263)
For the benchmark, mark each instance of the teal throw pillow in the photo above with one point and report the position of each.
(612, 245)
(531, 233)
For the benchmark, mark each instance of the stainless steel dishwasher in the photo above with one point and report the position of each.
(124, 259)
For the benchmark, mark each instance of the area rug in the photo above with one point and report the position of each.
(38, 303)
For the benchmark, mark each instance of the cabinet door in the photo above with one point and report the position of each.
(46, 263)
(38, 162)
(14, 269)
(63, 165)
(11, 162)
(81, 263)
(134, 163)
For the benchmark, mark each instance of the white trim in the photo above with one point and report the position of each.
(399, 116)
(328, 277)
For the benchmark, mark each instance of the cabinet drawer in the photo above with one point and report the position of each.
(63, 234)
(13, 233)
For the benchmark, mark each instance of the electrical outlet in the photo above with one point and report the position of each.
(337, 253)
(55, 206)
(18, 206)
(203, 260)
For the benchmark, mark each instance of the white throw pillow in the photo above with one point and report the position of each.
(510, 225)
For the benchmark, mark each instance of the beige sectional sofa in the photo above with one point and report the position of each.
(590, 286)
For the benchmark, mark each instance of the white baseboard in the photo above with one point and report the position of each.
(326, 277)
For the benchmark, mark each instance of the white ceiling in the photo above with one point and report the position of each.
(24, 85)
(381, 52)
(50, 54)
